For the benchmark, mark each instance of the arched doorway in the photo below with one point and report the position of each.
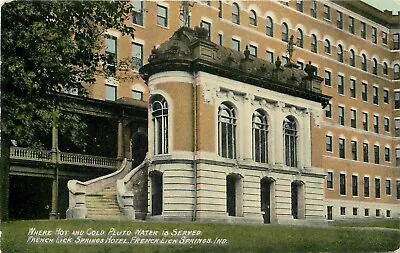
(267, 198)
(156, 192)
(297, 199)
(234, 195)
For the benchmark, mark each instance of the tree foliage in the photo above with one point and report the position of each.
(50, 47)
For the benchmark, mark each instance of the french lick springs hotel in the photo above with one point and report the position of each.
(284, 112)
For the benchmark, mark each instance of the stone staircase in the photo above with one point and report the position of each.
(103, 205)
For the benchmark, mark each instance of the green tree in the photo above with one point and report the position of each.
(49, 47)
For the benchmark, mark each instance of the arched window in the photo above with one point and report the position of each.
(364, 62)
(352, 58)
(385, 68)
(270, 27)
(374, 66)
(290, 140)
(235, 13)
(314, 43)
(340, 53)
(159, 112)
(285, 32)
(299, 38)
(226, 131)
(396, 69)
(260, 137)
(327, 46)
(253, 18)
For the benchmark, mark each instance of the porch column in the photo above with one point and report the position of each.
(54, 140)
(54, 215)
(120, 147)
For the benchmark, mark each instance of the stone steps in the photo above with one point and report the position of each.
(103, 205)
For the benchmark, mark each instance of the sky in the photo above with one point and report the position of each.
(392, 5)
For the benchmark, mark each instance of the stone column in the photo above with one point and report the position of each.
(278, 134)
(247, 149)
(54, 197)
(54, 144)
(120, 146)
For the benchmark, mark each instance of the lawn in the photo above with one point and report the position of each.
(383, 223)
(239, 238)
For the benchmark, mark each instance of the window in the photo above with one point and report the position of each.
(352, 58)
(354, 180)
(387, 125)
(363, 30)
(137, 56)
(353, 120)
(385, 69)
(353, 88)
(285, 32)
(299, 5)
(388, 213)
(386, 96)
(236, 45)
(397, 127)
(339, 20)
(220, 39)
(375, 96)
(351, 25)
(329, 180)
(270, 56)
(397, 100)
(387, 154)
(366, 187)
(341, 116)
(355, 211)
(138, 95)
(260, 137)
(342, 184)
(376, 154)
(342, 148)
(398, 189)
(366, 212)
(138, 11)
(159, 113)
(377, 188)
(253, 18)
(162, 15)
(364, 62)
(299, 38)
(388, 187)
(340, 53)
(364, 92)
(365, 121)
(329, 147)
(354, 154)
(226, 131)
(253, 50)
(314, 9)
(111, 53)
(290, 140)
(269, 29)
(374, 36)
(384, 38)
(207, 26)
(300, 64)
(374, 66)
(111, 92)
(341, 85)
(342, 210)
(314, 43)
(396, 70)
(328, 111)
(220, 9)
(376, 124)
(366, 152)
(207, 2)
(235, 13)
(327, 12)
(378, 212)
(285, 60)
(396, 41)
(328, 78)
(327, 46)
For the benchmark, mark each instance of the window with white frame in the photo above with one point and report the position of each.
(206, 25)
(162, 15)
(226, 131)
(329, 143)
(363, 30)
(290, 129)
(329, 180)
(366, 187)
(375, 95)
(235, 13)
(364, 63)
(314, 8)
(270, 56)
(253, 50)
(327, 46)
(111, 92)
(351, 25)
(352, 58)
(364, 92)
(236, 44)
(137, 56)
(353, 119)
(137, 95)
(111, 53)
(376, 124)
(269, 29)
(314, 43)
(374, 35)
(342, 148)
(299, 38)
(386, 96)
(328, 78)
(377, 188)
(374, 66)
(366, 152)
(387, 124)
(365, 121)
(260, 136)
(354, 181)
(354, 150)
(253, 18)
(342, 186)
(340, 53)
(327, 12)
(159, 113)
(328, 111)
(376, 154)
(341, 84)
(138, 11)
(341, 115)
(285, 32)
(353, 88)
(387, 154)
(384, 38)
(339, 20)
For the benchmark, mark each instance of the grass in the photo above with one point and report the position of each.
(384, 223)
(241, 238)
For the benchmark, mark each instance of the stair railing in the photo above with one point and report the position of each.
(125, 195)
(78, 190)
